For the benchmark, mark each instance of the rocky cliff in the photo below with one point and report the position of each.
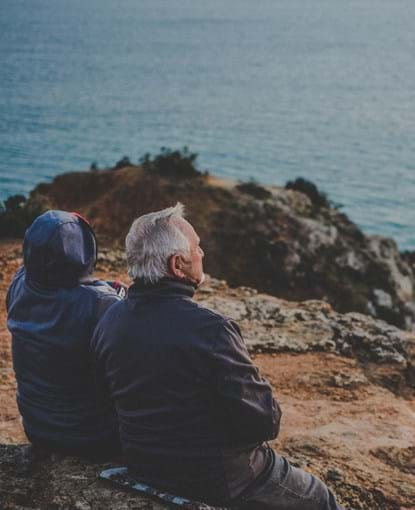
(345, 382)
(288, 243)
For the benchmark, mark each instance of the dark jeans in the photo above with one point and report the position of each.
(98, 451)
(288, 488)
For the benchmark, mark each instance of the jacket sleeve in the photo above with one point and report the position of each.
(104, 302)
(98, 360)
(106, 296)
(11, 291)
(243, 397)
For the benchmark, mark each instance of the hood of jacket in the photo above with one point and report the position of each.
(59, 249)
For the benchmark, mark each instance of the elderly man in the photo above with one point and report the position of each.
(53, 307)
(193, 411)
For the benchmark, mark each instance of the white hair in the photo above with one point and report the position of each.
(151, 240)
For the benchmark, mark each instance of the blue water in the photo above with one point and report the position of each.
(270, 89)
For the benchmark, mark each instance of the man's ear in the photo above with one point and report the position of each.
(176, 264)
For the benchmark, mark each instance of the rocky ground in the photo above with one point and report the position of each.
(346, 384)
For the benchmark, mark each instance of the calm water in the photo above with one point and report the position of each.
(270, 89)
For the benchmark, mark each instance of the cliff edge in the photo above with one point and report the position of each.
(289, 242)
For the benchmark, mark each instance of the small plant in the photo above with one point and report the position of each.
(254, 189)
(317, 197)
(169, 163)
(16, 215)
(122, 163)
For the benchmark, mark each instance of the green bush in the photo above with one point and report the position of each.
(318, 198)
(16, 215)
(254, 189)
(169, 163)
(122, 163)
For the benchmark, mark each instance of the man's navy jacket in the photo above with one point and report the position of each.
(51, 316)
(193, 411)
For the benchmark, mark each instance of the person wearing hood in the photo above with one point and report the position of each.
(53, 306)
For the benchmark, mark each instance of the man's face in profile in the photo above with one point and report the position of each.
(192, 265)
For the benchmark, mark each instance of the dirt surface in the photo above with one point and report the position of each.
(356, 435)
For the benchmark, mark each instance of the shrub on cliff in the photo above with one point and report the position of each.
(169, 163)
(122, 163)
(253, 189)
(16, 214)
(317, 197)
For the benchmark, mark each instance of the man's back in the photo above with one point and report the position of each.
(192, 409)
(51, 317)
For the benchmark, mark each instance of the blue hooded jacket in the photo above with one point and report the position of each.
(53, 307)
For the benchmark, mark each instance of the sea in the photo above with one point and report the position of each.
(268, 90)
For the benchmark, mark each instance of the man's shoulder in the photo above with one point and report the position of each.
(115, 311)
(98, 289)
(206, 317)
(113, 325)
(98, 296)
(214, 330)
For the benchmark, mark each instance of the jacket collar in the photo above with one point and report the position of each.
(166, 287)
